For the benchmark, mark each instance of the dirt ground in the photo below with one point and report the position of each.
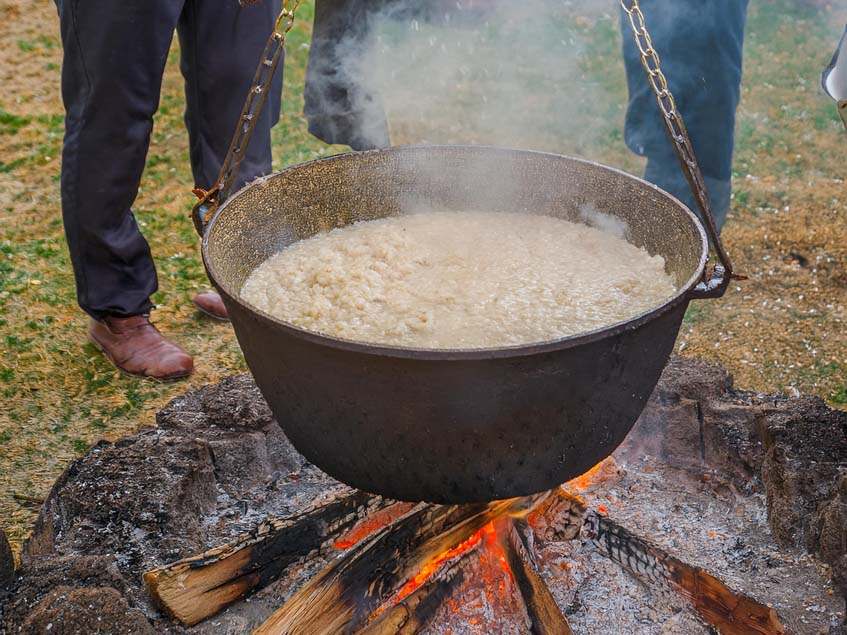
(783, 329)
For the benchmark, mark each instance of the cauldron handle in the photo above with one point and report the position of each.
(714, 283)
(212, 198)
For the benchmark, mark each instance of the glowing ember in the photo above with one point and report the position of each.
(373, 524)
(487, 536)
(494, 550)
(604, 471)
(434, 565)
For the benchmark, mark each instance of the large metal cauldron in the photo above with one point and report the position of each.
(458, 425)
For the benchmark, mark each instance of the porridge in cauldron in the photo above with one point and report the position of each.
(444, 280)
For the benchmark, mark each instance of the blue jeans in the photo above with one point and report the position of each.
(700, 45)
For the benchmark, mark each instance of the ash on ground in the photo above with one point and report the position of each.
(752, 488)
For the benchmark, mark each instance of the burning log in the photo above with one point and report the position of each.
(727, 611)
(404, 560)
(545, 616)
(356, 589)
(412, 614)
(195, 588)
(558, 518)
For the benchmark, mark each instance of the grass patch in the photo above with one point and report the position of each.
(38, 42)
(10, 123)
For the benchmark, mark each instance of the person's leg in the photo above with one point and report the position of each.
(338, 106)
(700, 46)
(114, 56)
(221, 45)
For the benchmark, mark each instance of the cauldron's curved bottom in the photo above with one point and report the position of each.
(451, 426)
(458, 431)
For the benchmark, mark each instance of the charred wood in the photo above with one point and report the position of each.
(559, 517)
(344, 597)
(545, 616)
(195, 588)
(415, 612)
(729, 612)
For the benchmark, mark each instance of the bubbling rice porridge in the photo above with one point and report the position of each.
(441, 280)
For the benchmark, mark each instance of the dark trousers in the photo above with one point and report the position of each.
(700, 45)
(114, 58)
(339, 111)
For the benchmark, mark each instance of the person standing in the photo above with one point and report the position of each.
(700, 45)
(114, 60)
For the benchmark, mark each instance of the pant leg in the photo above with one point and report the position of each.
(114, 57)
(339, 106)
(221, 45)
(700, 45)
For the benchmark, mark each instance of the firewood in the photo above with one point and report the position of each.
(729, 612)
(415, 612)
(345, 596)
(195, 588)
(546, 618)
(559, 517)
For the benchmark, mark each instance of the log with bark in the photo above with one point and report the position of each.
(727, 611)
(195, 588)
(350, 592)
(545, 616)
(406, 559)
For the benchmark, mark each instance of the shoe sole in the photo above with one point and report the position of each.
(163, 380)
(214, 316)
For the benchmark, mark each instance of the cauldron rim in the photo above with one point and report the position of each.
(459, 354)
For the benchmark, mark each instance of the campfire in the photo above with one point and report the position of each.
(401, 562)
(722, 512)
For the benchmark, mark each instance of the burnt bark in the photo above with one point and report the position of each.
(545, 616)
(805, 476)
(195, 588)
(725, 610)
(345, 596)
(415, 612)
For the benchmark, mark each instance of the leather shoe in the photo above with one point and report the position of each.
(137, 347)
(212, 305)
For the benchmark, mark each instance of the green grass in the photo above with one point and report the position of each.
(37, 43)
(10, 123)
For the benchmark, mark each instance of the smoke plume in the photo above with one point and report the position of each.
(536, 74)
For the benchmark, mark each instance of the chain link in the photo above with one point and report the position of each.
(210, 199)
(722, 272)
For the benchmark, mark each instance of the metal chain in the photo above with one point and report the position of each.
(719, 279)
(720, 276)
(212, 198)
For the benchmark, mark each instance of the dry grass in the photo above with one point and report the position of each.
(784, 328)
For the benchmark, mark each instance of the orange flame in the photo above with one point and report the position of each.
(372, 524)
(495, 550)
(429, 569)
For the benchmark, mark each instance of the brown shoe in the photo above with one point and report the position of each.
(212, 305)
(136, 347)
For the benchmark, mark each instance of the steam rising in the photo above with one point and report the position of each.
(538, 74)
(607, 223)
